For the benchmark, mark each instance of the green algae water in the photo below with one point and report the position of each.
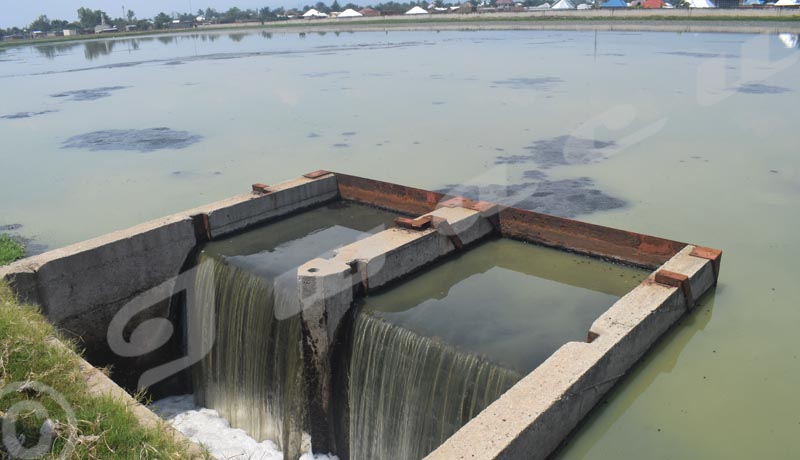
(247, 297)
(689, 136)
(429, 354)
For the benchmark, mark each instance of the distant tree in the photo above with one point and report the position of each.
(211, 13)
(161, 21)
(144, 24)
(231, 15)
(131, 15)
(265, 14)
(58, 24)
(90, 18)
(322, 7)
(335, 6)
(42, 23)
(352, 6)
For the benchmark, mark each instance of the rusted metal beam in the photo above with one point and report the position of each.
(399, 198)
(714, 255)
(557, 232)
(261, 188)
(677, 280)
(596, 240)
(316, 174)
(420, 223)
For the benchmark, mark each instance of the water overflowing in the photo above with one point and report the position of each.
(722, 171)
(246, 288)
(253, 376)
(430, 354)
(409, 393)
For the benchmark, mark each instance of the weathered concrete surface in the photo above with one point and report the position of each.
(534, 417)
(326, 288)
(248, 209)
(326, 292)
(83, 286)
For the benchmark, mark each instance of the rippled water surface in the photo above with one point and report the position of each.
(687, 136)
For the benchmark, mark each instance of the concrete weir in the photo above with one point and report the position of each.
(114, 293)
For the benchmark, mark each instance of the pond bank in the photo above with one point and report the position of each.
(677, 20)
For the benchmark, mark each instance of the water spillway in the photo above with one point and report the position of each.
(247, 296)
(409, 393)
(430, 354)
(416, 361)
(464, 319)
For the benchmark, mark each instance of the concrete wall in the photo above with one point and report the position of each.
(327, 288)
(538, 413)
(82, 287)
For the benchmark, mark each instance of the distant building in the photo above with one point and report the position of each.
(178, 24)
(104, 28)
(70, 32)
(464, 8)
(505, 4)
(369, 12)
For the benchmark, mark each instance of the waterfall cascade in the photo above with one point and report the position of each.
(409, 393)
(253, 374)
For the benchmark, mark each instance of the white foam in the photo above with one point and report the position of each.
(207, 428)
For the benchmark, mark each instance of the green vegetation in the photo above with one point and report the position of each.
(466, 20)
(87, 19)
(102, 427)
(10, 249)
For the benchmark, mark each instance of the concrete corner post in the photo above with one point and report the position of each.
(326, 294)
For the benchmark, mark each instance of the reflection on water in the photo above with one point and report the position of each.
(53, 50)
(642, 377)
(237, 37)
(167, 39)
(96, 48)
(789, 40)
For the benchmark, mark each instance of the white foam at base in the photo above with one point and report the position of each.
(207, 428)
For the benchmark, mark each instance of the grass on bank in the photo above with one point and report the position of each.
(103, 428)
(391, 21)
(10, 249)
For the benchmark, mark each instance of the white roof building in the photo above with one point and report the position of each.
(701, 4)
(349, 13)
(563, 5)
(312, 13)
(416, 10)
(788, 3)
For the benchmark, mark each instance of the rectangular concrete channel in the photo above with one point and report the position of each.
(85, 288)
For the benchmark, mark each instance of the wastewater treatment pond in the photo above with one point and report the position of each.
(689, 139)
(430, 353)
(414, 362)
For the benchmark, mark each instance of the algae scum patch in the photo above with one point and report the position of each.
(88, 94)
(138, 140)
(564, 197)
(561, 151)
(19, 115)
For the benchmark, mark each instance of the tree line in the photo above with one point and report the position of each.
(88, 19)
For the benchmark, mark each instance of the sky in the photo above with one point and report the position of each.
(22, 12)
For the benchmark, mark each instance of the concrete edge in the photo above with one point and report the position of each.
(327, 288)
(541, 410)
